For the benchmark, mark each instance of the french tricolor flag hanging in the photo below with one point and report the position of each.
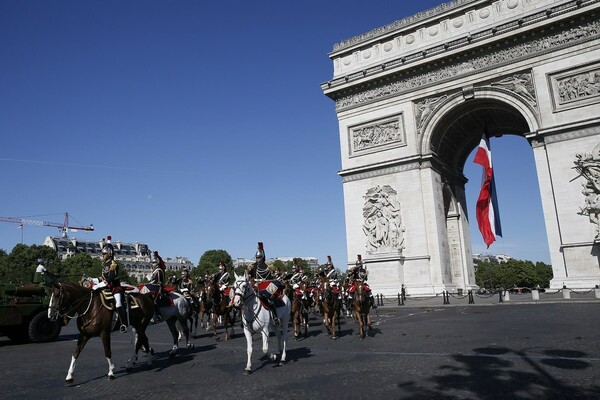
(488, 217)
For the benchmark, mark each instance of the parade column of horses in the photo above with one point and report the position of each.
(95, 314)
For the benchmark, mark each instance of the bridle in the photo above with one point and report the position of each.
(62, 311)
(245, 295)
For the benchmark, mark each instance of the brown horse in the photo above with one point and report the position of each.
(299, 312)
(95, 318)
(361, 304)
(331, 307)
(221, 307)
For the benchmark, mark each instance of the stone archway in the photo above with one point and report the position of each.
(413, 99)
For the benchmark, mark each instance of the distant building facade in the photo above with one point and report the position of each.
(311, 262)
(496, 258)
(135, 257)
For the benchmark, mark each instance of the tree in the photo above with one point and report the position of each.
(82, 265)
(513, 273)
(18, 266)
(209, 263)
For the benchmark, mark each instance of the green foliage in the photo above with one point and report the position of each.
(18, 266)
(514, 273)
(209, 263)
(82, 265)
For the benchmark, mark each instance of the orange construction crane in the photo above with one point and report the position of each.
(64, 227)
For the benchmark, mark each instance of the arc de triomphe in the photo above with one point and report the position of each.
(413, 99)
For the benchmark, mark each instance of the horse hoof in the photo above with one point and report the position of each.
(111, 377)
(334, 338)
(68, 381)
(247, 372)
(281, 363)
(151, 351)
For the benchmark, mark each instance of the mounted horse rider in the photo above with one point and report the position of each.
(185, 283)
(157, 282)
(331, 274)
(110, 275)
(221, 280)
(268, 288)
(297, 278)
(359, 272)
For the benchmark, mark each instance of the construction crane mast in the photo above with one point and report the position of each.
(64, 227)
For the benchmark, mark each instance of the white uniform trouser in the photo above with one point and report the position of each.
(119, 299)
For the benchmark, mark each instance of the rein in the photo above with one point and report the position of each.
(75, 305)
(248, 323)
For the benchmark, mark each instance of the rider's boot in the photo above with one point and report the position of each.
(276, 320)
(123, 319)
(157, 318)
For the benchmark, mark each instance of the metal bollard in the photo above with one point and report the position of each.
(471, 299)
(506, 295)
(499, 296)
(535, 294)
(597, 293)
(566, 293)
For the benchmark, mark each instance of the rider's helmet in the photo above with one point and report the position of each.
(108, 251)
(295, 267)
(359, 262)
(185, 273)
(260, 253)
(221, 266)
(329, 264)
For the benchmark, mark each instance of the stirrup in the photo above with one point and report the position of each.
(123, 328)
(276, 321)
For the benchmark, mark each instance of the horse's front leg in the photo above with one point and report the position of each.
(264, 333)
(214, 326)
(248, 335)
(333, 323)
(81, 341)
(282, 343)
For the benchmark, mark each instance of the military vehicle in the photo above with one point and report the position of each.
(24, 313)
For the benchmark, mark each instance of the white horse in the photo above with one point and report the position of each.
(257, 319)
(176, 316)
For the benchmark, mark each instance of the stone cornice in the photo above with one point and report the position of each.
(395, 166)
(565, 132)
(402, 23)
(469, 63)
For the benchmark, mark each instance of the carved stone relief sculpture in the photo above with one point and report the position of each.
(425, 109)
(520, 84)
(383, 223)
(576, 87)
(588, 166)
(376, 136)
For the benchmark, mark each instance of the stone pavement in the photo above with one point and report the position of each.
(458, 351)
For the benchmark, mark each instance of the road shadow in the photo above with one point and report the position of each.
(498, 372)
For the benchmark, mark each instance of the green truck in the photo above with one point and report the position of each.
(24, 313)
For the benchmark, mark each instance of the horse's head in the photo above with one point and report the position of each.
(60, 298)
(68, 300)
(240, 290)
(325, 284)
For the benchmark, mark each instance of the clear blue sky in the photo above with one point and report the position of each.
(192, 125)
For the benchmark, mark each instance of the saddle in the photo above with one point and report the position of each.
(108, 299)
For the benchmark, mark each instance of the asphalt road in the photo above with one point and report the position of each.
(519, 351)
